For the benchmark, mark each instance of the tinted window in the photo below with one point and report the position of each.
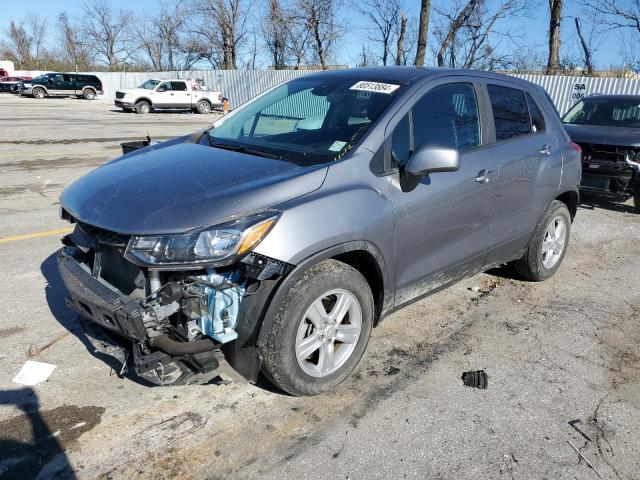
(613, 112)
(537, 119)
(164, 87)
(178, 86)
(447, 116)
(400, 143)
(510, 112)
(66, 78)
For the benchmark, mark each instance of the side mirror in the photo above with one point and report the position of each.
(429, 159)
(425, 160)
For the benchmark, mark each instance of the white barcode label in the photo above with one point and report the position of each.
(375, 87)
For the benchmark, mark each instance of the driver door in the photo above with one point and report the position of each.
(442, 225)
(164, 97)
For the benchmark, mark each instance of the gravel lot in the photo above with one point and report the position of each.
(562, 356)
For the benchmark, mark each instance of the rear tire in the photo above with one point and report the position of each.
(548, 244)
(38, 93)
(320, 330)
(143, 107)
(203, 107)
(89, 94)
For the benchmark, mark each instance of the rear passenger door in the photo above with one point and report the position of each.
(181, 94)
(522, 145)
(442, 225)
(68, 84)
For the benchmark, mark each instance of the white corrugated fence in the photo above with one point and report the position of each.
(242, 85)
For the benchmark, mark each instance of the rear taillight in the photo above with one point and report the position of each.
(576, 147)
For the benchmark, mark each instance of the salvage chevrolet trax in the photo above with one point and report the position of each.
(278, 238)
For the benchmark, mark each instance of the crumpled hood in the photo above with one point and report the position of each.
(603, 135)
(183, 186)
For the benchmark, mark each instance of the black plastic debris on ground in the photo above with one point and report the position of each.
(475, 379)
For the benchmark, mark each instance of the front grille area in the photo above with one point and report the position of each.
(119, 95)
(604, 153)
(105, 237)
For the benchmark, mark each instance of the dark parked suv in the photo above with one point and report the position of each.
(607, 128)
(64, 85)
(282, 235)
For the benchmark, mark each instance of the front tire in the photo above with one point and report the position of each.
(320, 330)
(143, 107)
(548, 244)
(39, 93)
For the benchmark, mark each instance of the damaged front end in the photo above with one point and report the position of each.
(185, 301)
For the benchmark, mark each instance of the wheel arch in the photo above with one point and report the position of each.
(362, 255)
(33, 87)
(143, 99)
(571, 199)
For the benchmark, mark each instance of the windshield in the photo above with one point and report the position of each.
(610, 112)
(306, 120)
(150, 84)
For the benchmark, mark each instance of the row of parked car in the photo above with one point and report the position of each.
(154, 94)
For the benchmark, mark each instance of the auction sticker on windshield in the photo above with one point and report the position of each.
(375, 87)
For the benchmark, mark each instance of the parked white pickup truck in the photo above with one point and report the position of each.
(172, 94)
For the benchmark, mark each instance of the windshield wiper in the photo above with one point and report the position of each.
(242, 149)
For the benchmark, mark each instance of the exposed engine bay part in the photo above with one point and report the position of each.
(172, 347)
(179, 321)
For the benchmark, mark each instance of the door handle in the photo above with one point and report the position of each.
(546, 150)
(171, 94)
(483, 176)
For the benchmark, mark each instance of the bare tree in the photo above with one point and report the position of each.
(162, 37)
(19, 44)
(275, 33)
(423, 31)
(221, 28)
(318, 18)
(75, 51)
(381, 21)
(38, 30)
(470, 35)
(400, 48)
(586, 51)
(555, 17)
(457, 22)
(298, 41)
(617, 14)
(107, 31)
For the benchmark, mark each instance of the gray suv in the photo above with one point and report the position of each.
(277, 239)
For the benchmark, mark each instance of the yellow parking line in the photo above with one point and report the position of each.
(27, 236)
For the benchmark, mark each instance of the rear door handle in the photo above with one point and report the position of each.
(483, 176)
(546, 150)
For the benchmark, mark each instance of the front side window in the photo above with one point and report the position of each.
(164, 87)
(447, 116)
(510, 113)
(610, 112)
(149, 84)
(307, 120)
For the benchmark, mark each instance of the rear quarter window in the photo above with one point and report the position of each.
(510, 112)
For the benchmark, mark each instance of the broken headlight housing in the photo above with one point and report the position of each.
(218, 244)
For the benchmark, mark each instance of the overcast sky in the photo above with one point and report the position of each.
(532, 29)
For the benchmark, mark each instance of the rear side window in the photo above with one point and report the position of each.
(537, 119)
(510, 113)
(178, 86)
(447, 116)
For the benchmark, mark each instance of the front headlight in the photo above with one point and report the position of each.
(219, 243)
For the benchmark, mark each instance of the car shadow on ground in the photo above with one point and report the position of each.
(27, 443)
(110, 349)
(591, 202)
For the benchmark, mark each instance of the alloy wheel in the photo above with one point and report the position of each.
(553, 244)
(328, 333)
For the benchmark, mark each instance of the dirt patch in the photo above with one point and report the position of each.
(7, 332)
(31, 440)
